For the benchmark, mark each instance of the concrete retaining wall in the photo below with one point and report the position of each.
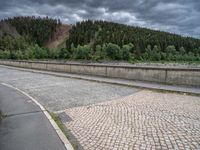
(178, 76)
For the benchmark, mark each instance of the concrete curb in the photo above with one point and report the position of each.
(75, 76)
(61, 135)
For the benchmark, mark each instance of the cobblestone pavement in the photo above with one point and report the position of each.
(144, 120)
(57, 93)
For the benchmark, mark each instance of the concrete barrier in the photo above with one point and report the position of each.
(177, 76)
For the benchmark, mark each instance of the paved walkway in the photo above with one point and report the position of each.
(145, 120)
(25, 127)
(137, 84)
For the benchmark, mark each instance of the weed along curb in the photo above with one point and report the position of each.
(61, 135)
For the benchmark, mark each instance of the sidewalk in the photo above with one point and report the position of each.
(132, 83)
(25, 126)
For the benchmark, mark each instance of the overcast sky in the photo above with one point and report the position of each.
(176, 16)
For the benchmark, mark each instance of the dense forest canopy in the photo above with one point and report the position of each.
(26, 37)
(100, 32)
(35, 29)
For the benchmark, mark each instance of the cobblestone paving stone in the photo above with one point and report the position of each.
(145, 120)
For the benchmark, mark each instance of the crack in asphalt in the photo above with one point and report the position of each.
(24, 113)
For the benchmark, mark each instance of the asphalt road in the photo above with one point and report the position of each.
(58, 93)
(25, 127)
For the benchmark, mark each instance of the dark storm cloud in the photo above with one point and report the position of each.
(177, 16)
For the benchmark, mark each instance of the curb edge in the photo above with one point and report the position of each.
(61, 135)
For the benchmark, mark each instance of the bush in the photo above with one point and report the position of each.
(39, 52)
(34, 51)
(126, 49)
(64, 53)
(54, 53)
(171, 52)
(17, 55)
(113, 51)
(29, 53)
(182, 51)
(152, 54)
(82, 52)
(98, 53)
(4, 54)
(171, 49)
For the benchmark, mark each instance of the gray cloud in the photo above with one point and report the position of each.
(176, 16)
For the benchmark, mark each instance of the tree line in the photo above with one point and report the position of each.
(101, 32)
(108, 51)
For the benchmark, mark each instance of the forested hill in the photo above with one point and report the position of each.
(7, 29)
(101, 32)
(37, 38)
(35, 29)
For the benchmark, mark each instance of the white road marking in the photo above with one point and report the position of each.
(53, 123)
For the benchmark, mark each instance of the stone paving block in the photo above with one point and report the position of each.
(143, 120)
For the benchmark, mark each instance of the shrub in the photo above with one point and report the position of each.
(82, 52)
(29, 53)
(64, 53)
(54, 53)
(39, 52)
(126, 52)
(98, 53)
(152, 54)
(171, 49)
(34, 51)
(4, 54)
(17, 55)
(182, 51)
(113, 51)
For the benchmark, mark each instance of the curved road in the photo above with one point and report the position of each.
(25, 126)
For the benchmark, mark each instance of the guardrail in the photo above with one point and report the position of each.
(167, 75)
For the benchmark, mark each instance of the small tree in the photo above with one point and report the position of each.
(4, 54)
(113, 51)
(171, 52)
(132, 48)
(98, 53)
(156, 53)
(171, 49)
(126, 52)
(182, 51)
(72, 47)
(82, 52)
(64, 53)
(19, 54)
(29, 53)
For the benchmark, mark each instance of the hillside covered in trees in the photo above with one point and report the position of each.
(27, 37)
(118, 41)
(100, 32)
(35, 29)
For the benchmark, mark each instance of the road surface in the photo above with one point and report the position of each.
(58, 93)
(25, 126)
